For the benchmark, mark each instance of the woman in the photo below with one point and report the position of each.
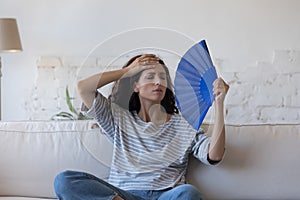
(151, 140)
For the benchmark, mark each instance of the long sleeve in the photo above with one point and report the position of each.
(101, 111)
(200, 148)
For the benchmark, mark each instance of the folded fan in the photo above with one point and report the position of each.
(193, 84)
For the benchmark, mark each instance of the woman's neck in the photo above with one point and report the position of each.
(153, 113)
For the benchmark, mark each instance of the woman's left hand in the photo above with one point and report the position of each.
(220, 90)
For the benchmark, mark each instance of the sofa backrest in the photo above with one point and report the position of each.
(261, 161)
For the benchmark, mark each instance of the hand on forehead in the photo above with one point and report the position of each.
(148, 59)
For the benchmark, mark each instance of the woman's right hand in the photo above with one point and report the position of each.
(146, 61)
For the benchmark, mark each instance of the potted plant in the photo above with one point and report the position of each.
(73, 114)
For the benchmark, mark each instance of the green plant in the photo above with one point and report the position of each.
(74, 115)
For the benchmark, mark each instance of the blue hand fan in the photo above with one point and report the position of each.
(193, 84)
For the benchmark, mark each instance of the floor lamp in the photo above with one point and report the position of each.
(9, 41)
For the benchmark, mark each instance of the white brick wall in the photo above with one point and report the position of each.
(268, 92)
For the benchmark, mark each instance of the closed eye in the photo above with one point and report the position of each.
(150, 76)
(162, 76)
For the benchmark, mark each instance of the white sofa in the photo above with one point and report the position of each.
(261, 161)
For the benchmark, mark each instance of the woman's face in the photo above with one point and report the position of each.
(152, 84)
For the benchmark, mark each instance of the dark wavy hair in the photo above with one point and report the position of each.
(124, 95)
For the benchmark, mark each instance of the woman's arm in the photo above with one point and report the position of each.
(217, 144)
(87, 87)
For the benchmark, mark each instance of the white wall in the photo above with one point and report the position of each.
(246, 38)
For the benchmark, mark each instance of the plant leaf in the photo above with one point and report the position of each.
(63, 115)
(69, 103)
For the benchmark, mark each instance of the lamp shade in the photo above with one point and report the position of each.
(9, 35)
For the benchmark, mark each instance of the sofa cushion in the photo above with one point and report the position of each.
(261, 162)
(33, 152)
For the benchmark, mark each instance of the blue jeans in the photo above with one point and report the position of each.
(72, 185)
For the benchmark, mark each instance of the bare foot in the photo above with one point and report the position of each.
(118, 198)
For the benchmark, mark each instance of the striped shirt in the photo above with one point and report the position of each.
(147, 156)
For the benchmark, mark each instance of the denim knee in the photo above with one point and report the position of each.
(188, 191)
(59, 182)
(62, 181)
